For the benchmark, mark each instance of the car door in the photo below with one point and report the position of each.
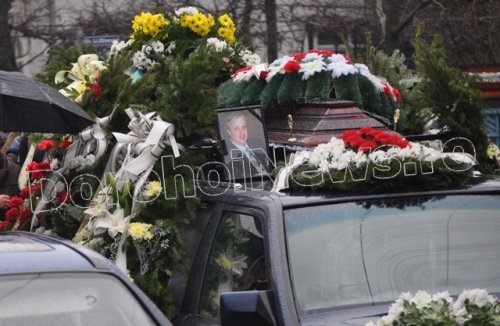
(231, 258)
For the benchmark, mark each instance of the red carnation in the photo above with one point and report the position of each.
(45, 165)
(327, 53)
(367, 145)
(347, 58)
(63, 144)
(24, 215)
(387, 90)
(314, 51)
(299, 56)
(15, 201)
(32, 166)
(63, 196)
(4, 225)
(25, 192)
(11, 214)
(397, 94)
(292, 66)
(45, 145)
(36, 188)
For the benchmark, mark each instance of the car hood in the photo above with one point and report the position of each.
(345, 317)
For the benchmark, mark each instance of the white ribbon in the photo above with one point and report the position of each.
(90, 138)
(296, 160)
(143, 146)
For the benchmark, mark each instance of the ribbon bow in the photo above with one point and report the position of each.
(144, 144)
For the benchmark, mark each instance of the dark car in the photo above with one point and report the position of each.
(47, 281)
(311, 258)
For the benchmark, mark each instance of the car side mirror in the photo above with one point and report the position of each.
(247, 308)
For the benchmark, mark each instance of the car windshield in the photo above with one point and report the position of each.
(364, 253)
(68, 299)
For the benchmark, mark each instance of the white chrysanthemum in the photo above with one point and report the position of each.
(337, 58)
(171, 47)
(277, 67)
(378, 156)
(339, 68)
(309, 68)
(363, 70)
(312, 57)
(140, 61)
(147, 49)
(443, 296)
(186, 11)
(249, 58)
(117, 47)
(216, 44)
(158, 47)
(478, 297)
(421, 299)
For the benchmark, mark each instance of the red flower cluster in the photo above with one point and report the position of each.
(367, 139)
(63, 144)
(95, 87)
(29, 190)
(45, 145)
(291, 66)
(38, 170)
(323, 53)
(15, 213)
(392, 93)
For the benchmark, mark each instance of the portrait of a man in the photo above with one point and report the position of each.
(245, 143)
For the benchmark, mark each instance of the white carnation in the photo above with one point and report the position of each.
(186, 11)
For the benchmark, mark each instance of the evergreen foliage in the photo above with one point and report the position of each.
(347, 88)
(291, 89)
(451, 95)
(318, 86)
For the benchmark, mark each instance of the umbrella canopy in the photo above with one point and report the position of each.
(26, 105)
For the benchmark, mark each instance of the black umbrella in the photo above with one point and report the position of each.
(26, 105)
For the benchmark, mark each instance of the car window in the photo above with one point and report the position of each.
(365, 253)
(68, 299)
(236, 261)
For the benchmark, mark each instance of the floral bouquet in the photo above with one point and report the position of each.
(369, 159)
(472, 307)
(316, 75)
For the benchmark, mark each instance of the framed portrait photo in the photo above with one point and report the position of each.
(242, 131)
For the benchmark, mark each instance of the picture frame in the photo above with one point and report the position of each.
(245, 146)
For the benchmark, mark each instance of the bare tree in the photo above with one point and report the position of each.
(7, 56)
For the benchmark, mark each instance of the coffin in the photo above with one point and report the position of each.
(315, 123)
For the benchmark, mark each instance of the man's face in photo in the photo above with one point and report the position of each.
(237, 130)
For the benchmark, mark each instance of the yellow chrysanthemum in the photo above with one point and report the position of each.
(152, 189)
(186, 20)
(199, 24)
(223, 262)
(140, 231)
(149, 24)
(226, 21)
(227, 33)
(211, 21)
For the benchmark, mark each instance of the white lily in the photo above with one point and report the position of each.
(87, 65)
(113, 223)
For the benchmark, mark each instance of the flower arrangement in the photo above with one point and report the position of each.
(83, 76)
(472, 307)
(310, 76)
(370, 159)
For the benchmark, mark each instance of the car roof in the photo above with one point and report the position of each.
(25, 252)
(261, 193)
